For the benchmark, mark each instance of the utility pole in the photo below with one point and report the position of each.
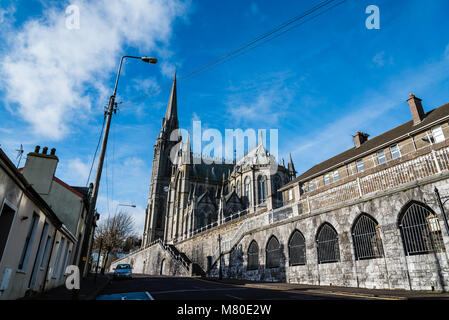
(93, 199)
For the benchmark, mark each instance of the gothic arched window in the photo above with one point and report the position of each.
(261, 189)
(420, 229)
(273, 253)
(327, 244)
(253, 256)
(297, 249)
(366, 238)
(248, 190)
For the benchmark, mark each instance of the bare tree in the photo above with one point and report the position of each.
(113, 232)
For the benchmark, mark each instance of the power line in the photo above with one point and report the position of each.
(268, 36)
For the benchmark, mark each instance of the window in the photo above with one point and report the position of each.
(335, 175)
(46, 250)
(290, 194)
(297, 249)
(28, 242)
(247, 191)
(6, 219)
(58, 257)
(438, 135)
(239, 189)
(420, 230)
(273, 253)
(366, 238)
(327, 179)
(311, 186)
(395, 151)
(327, 244)
(360, 166)
(381, 159)
(277, 183)
(261, 189)
(253, 256)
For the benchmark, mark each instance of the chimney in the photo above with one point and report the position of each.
(416, 109)
(360, 138)
(40, 169)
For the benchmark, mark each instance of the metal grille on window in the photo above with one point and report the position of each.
(273, 252)
(253, 256)
(297, 249)
(366, 237)
(420, 230)
(327, 245)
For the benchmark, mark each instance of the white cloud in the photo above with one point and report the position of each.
(52, 75)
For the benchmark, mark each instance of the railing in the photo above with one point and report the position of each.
(421, 167)
(402, 173)
(414, 146)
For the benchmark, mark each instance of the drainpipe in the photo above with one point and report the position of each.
(49, 259)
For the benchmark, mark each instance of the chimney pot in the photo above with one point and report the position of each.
(44, 150)
(416, 108)
(53, 151)
(360, 138)
(37, 148)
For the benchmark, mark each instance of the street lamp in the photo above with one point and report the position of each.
(123, 205)
(93, 199)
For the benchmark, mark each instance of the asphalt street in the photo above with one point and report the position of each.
(177, 288)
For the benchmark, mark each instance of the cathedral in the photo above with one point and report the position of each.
(187, 195)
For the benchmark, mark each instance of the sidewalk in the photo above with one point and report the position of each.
(89, 289)
(341, 291)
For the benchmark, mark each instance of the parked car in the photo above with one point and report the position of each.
(122, 271)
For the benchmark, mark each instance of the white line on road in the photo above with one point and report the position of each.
(149, 295)
(234, 297)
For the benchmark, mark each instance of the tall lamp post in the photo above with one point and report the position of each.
(93, 199)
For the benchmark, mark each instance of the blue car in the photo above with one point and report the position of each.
(123, 271)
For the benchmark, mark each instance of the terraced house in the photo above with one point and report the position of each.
(372, 216)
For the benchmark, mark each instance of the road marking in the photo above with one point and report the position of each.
(234, 297)
(149, 295)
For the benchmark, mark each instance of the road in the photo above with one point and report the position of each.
(176, 288)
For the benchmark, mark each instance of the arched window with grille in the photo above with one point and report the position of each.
(420, 229)
(297, 249)
(248, 190)
(366, 238)
(273, 253)
(261, 189)
(253, 256)
(327, 244)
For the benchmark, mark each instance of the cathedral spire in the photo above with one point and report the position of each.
(291, 167)
(171, 116)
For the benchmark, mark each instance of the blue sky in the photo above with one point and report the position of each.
(317, 84)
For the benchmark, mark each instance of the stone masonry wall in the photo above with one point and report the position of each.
(394, 270)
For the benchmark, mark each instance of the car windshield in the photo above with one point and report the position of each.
(123, 266)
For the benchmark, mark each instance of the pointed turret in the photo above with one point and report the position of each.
(171, 115)
(291, 168)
